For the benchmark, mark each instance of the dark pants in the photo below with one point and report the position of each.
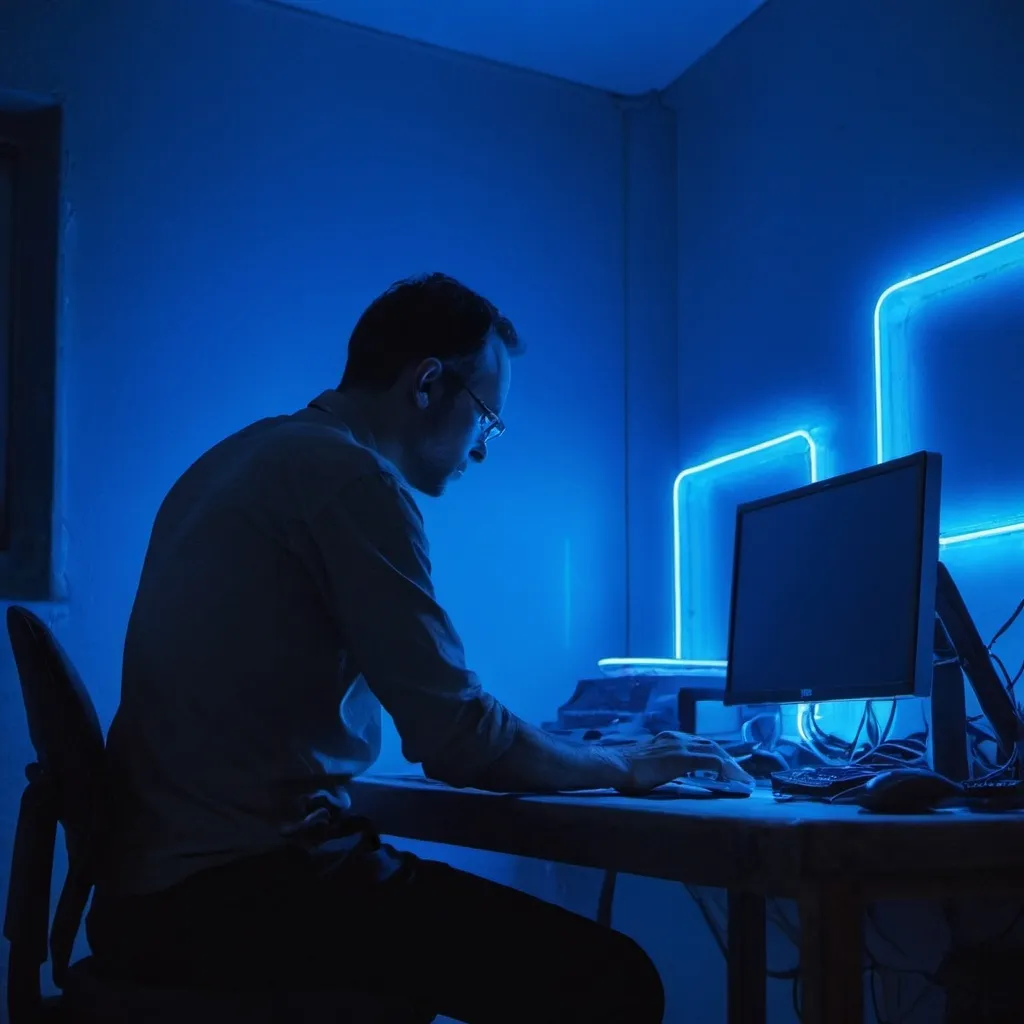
(459, 945)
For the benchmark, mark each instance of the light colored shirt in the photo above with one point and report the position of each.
(285, 597)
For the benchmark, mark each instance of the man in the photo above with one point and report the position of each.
(286, 597)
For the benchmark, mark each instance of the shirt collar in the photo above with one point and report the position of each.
(334, 404)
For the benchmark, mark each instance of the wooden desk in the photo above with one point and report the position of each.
(832, 859)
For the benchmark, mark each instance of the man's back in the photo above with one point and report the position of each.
(239, 707)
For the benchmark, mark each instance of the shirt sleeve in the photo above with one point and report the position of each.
(377, 570)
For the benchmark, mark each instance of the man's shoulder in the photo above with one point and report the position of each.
(295, 464)
(319, 443)
(322, 459)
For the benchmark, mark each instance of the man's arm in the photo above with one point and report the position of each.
(538, 762)
(369, 551)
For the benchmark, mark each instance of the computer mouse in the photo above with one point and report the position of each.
(904, 791)
(762, 763)
(712, 782)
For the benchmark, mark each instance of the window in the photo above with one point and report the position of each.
(7, 164)
(29, 221)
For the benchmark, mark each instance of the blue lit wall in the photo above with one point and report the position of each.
(827, 152)
(241, 180)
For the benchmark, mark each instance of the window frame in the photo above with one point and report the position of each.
(33, 136)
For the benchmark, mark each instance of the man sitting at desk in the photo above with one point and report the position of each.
(286, 597)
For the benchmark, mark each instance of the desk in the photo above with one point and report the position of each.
(832, 859)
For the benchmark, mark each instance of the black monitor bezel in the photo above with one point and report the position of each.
(929, 466)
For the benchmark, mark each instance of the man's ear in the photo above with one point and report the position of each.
(428, 373)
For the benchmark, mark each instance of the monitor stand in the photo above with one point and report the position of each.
(947, 734)
(961, 652)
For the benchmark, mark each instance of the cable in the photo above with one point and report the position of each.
(1010, 682)
(875, 967)
(976, 735)
(889, 723)
(721, 942)
(878, 970)
(1000, 769)
(831, 748)
(906, 752)
(1006, 625)
(716, 933)
(877, 749)
(1002, 668)
(868, 712)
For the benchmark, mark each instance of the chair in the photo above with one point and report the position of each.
(65, 785)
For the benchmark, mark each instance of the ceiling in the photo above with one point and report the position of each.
(622, 46)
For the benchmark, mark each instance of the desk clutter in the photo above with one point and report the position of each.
(874, 619)
(882, 775)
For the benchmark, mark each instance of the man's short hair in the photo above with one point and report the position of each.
(418, 318)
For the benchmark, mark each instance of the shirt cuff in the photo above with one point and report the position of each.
(485, 734)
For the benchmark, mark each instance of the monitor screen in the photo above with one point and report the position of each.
(833, 594)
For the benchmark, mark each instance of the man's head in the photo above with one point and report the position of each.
(430, 358)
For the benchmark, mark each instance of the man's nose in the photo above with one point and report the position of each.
(478, 452)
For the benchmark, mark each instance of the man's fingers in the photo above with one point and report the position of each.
(703, 763)
(721, 763)
(731, 770)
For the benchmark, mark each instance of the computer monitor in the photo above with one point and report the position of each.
(833, 592)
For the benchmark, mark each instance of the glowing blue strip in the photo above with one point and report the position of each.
(994, 531)
(684, 665)
(795, 435)
(880, 453)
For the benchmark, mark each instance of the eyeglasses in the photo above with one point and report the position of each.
(491, 424)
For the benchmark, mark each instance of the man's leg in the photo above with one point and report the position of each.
(457, 944)
(485, 953)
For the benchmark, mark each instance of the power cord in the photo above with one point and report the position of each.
(1011, 682)
(718, 930)
(977, 734)
(1006, 625)
(834, 750)
(876, 967)
(909, 752)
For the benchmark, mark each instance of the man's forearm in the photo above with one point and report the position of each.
(538, 762)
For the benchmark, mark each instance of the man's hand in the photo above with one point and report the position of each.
(669, 755)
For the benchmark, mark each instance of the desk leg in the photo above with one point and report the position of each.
(746, 966)
(832, 954)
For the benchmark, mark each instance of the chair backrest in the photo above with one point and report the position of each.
(66, 785)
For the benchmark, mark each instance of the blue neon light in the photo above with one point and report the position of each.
(965, 269)
(968, 268)
(666, 665)
(801, 436)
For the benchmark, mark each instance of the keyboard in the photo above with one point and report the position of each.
(821, 781)
(994, 789)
